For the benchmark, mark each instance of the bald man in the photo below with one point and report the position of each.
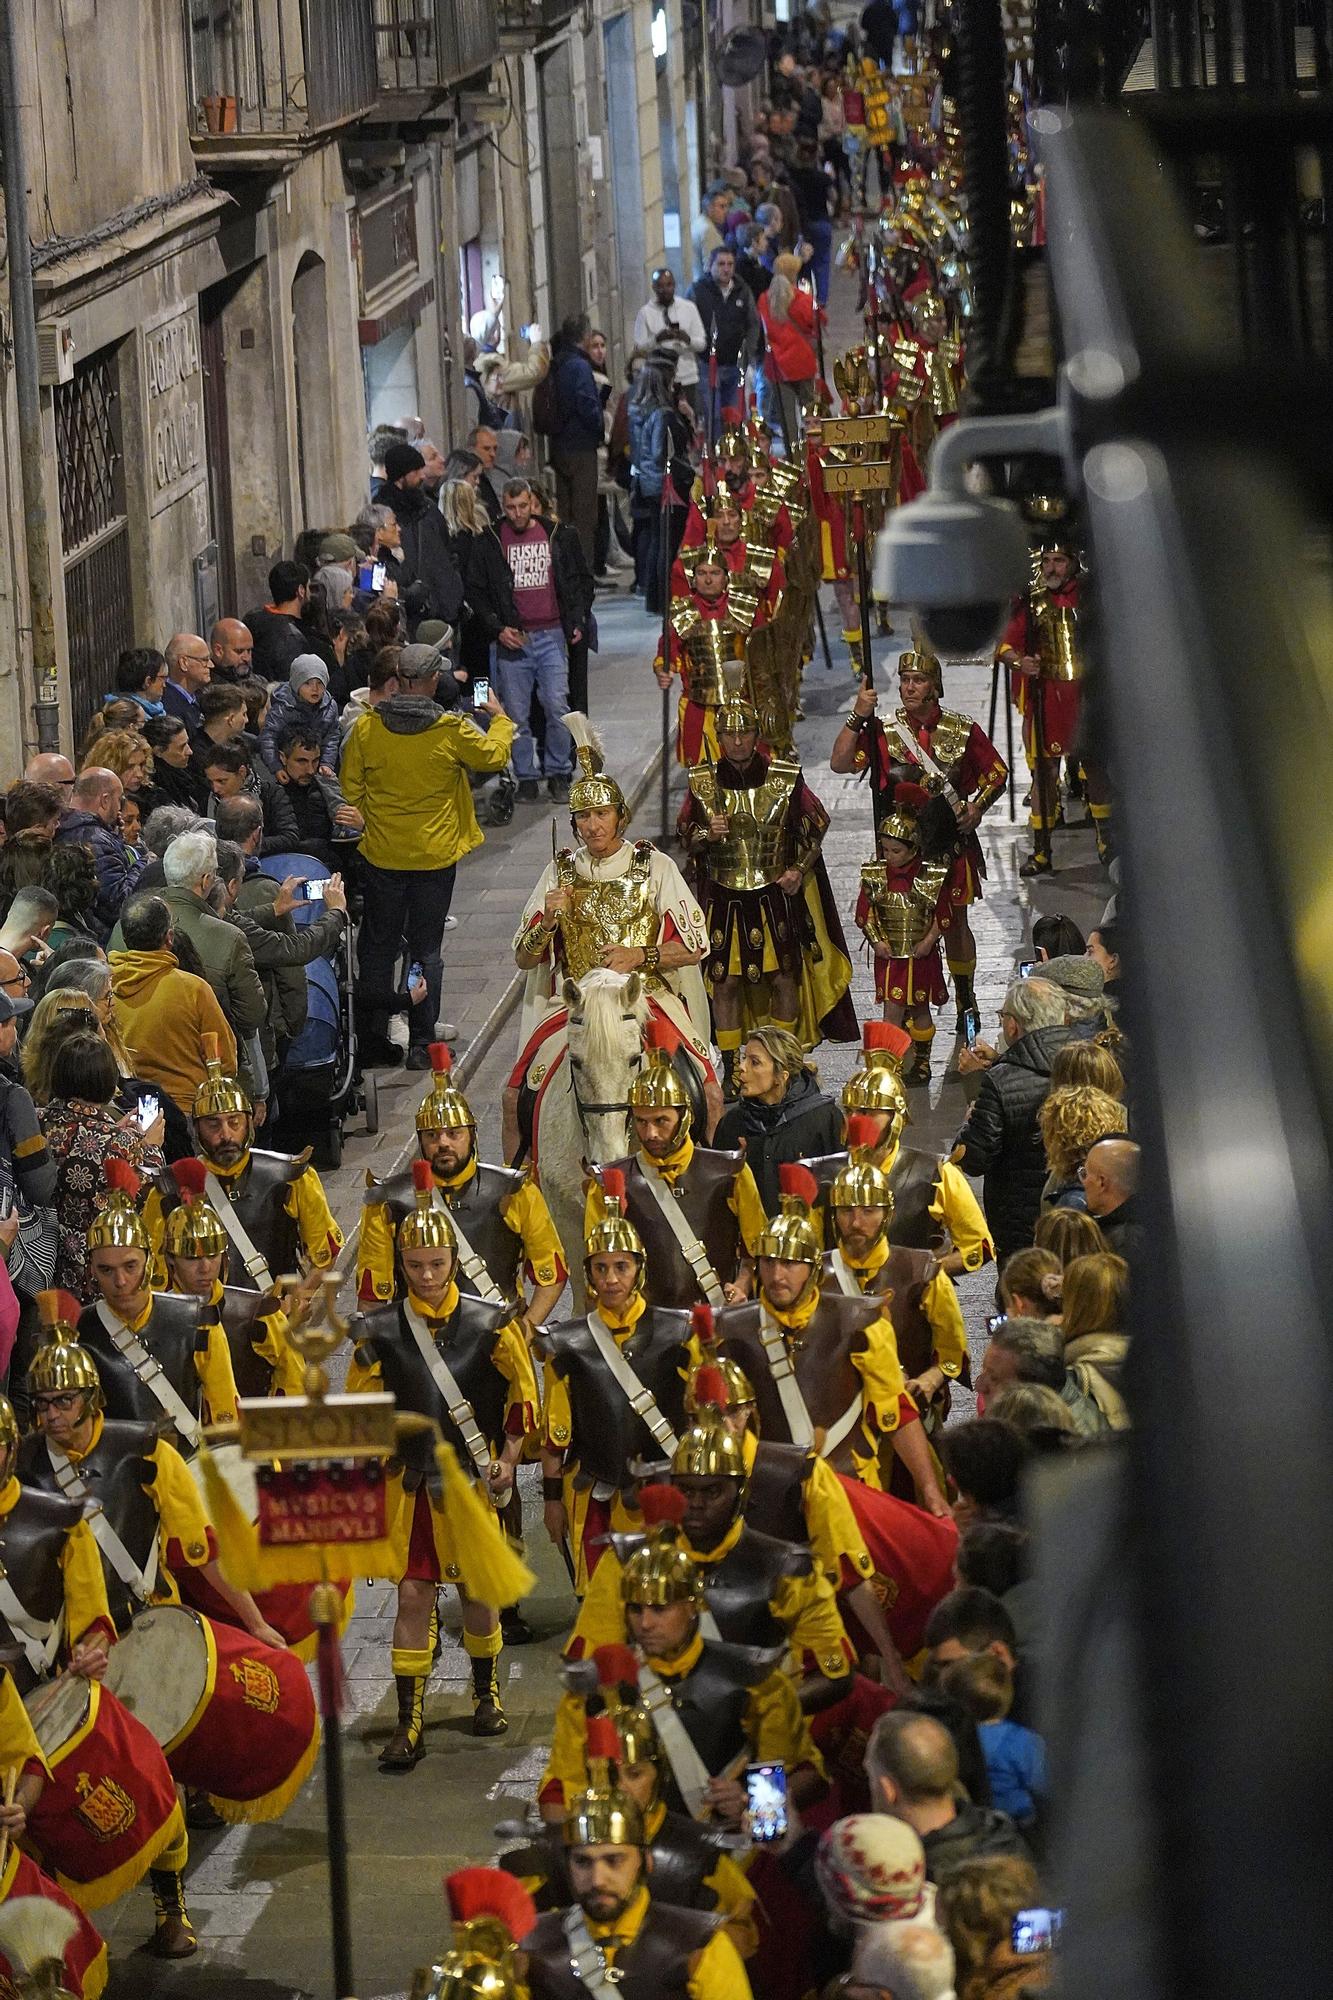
(232, 650)
(1110, 1179)
(93, 821)
(189, 668)
(48, 767)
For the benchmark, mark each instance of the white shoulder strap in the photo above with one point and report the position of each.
(235, 1228)
(468, 1260)
(687, 1766)
(39, 1638)
(460, 1410)
(149, 1373)
(919, 754)
(641, 1400)
(587, 1960)
(845, 1275)
(141, 1583)
(679, 1224)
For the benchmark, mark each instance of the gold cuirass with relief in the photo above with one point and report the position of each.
(1058, 645)
(707, 645)
(756, 849)
(897, 919)
(601, 914)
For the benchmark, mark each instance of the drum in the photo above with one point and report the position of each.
(110, 1808)
(160, 1672)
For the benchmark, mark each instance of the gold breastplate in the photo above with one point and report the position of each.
(707, 645)
(1057, 639)
(948, 741)
(602, 913)
(898, 919)
(754, 852)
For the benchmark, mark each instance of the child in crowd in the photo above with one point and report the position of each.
(306, 697)
(1015, 1757)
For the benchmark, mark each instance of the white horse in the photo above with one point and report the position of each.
(581, 1117)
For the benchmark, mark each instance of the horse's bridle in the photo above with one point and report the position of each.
(586, 1110)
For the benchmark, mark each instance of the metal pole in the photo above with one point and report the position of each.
(664, 564)
(335, 1795)
(819, 609)
(27, 392)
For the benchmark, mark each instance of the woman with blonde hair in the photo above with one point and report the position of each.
(123, 751)
(1072, 1120)
(976, 1907)
(1096, 1344)
(1088, 1062)
(1068, 1233)
(1030, 1285)
(56, 1017)
(781, 1114)
(791, 362)
(487, 579)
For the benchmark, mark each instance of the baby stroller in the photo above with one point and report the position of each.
(319, 1083)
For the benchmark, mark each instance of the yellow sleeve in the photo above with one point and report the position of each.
(956, 1208)
(218, 1377)
(592, 1209)
(568, 1763)
(718, 1972)
(777, 1728)
(179, 1507)
(831, 1525)
(268, 1337)
(85, 1584)
(155, 1222)
(748, 1210)
(881, 1376)
(735, 1901)
(526, 1213)
(364, 1374)
(815, 1631)
(558, 1416)
(374, 1253)
(940, 1305)
(513, 1358)
(308, 1206)
(18, 1743)
(483, 749)
(601, 1619)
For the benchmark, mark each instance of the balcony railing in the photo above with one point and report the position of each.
(278, 69)
(530, 20)
(423, 46)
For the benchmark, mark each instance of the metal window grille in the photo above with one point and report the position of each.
(94, 528)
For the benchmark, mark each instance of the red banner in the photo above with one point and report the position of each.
(345, 1504)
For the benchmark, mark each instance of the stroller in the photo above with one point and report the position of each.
(319, 1083)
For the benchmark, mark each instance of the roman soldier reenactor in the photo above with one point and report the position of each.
(758, 1590)
(463, 1362)
(934, 1207)
(272, 1205)
(613, 1392)
(715, 1706)
(949, 756)
(75, 1962)
(254, 1325)
(160, 1357)
(615, 1937)
(754, 830)
(825, 1368)
(697, 1211)
(708, 629)
(903, 910)
(1043, 646)
(490, 1913)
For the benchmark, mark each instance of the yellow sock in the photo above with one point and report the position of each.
(728, 1038)
(412, 1663)
(482, 1645)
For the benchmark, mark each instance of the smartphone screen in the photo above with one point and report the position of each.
(481, 692)
(1026, 967)
(971, 1030)
(6, 1202)
(1037, 1930)
(365, 575)
(766, 1801)
(994, 1321)
(414, 973)
(377, 575)
(148, 1110)
(314, 891)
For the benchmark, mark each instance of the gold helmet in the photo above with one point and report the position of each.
(428, 1226)
(702, 553)
(878, 1084)
(60, 1363)
(219, 1095)
(444, 1107)
(9, 1425)
(661, 1570)
(903, 819)
(861, 1184)
(613, 1233)
(618, 1684)
(118, 1224)
(732, 439)
(492, 1913)
(592, 788)
(603, 1815)
(793, 1235)
(739, 1388)
(707, 1449)
(658, 1086)
(193, 1228)
(921, 661)
(737, 715)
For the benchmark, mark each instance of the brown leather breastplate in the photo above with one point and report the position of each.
(607, 1434)
(477, 1207)
(775, 1501)
(466, 1343)
(821, 1360)
(238, 1311)
(703, 1191)
(32, 1544)
(115, 1473)
(173, 1335)
(900, 1284)
(656, 1966)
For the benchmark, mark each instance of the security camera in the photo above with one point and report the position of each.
(957, 560)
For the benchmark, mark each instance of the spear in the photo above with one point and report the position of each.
(664, 563)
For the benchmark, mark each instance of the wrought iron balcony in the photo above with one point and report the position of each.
(265, 75)
(424, 47)
(523, 22)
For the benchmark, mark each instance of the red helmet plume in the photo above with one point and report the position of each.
(710, 1386)
(190, 1176)
(795, 1179)
(490, 1892)
(423, 1180)
(701, 1324)
(662, 1503)
(616, 1666)
(441, 1058)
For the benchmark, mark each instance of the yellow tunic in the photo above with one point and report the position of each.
(717, 1972)
(830, 1524)
(956, 1209)
(939, 1303)
(881, 1381)
(558, 1435)
(511, 1357)
(743, 1201)
(804, 1606)
(524, 1213)
(776, 1731)
(271, 1341)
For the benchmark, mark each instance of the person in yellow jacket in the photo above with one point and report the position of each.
(404, 767)
(161, 1010)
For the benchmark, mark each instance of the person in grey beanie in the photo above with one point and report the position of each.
(305, 698)
(1081, 981)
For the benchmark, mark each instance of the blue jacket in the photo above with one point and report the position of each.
(647, 446)
(286, 706)
(118, 866)
(577, 401)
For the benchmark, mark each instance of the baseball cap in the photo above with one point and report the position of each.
(337, 549)
(415, 662)
(13, 1010)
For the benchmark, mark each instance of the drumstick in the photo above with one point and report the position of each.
(11, 1786)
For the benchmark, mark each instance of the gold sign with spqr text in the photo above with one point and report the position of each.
(292, 1427)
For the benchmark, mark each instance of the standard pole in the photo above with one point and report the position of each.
(335, 1794)
(27, 392)
(664, 565)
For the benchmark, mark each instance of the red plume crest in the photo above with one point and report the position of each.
(662, 1503)
(490, 1892)
(795, 1179)
(120, 1177)
(886, 1035)
(861, 1131)
(603, 1737)
(701, 1324)
(441, 1058)
(710, 1386)
(423, 1180)
(190, 1176)
(616, 1666)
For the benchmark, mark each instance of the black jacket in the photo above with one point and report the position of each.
(1123, 1228)
(278, 640)
(739, 333)
(428, 580)
(488, 593)
(973, 1833)
(1001, 1140)
(805, 1125)
(574, 584)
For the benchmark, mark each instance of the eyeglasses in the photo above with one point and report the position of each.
(19, 977)
(66, 1400)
